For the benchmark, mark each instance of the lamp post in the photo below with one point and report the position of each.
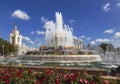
(3, 46)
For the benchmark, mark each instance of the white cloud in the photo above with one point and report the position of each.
(106, 7)
(82, 37)
(40, 32)
(43, 19)
(20, 14)
(109, 31)
(49, 25)
(71, 21)
(27, 39)
(31, 42)
(117, 35)
(39, 42)
(32, 32)
(88, 38)
(118, 4)
(36, 43)
(102, 40)
(92, 42)
(75, 37)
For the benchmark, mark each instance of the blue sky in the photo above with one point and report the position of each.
(94, 21)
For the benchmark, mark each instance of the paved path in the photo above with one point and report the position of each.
(111, 77)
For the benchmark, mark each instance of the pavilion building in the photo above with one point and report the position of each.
(16, 40)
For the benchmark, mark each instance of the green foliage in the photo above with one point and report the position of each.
(8, 48)
(106, 46)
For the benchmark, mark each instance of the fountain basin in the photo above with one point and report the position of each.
(65, 58)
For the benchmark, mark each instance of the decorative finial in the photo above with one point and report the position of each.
(15, 28)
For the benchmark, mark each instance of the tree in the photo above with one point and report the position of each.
(8, 48)
(106, 46)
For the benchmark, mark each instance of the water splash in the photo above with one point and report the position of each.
(59, 34)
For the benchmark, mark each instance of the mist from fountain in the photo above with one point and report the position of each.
(60, 34)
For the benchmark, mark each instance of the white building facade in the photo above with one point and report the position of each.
(16, 40)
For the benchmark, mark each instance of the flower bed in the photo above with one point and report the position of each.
(12, 75)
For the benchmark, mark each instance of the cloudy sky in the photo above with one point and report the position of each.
(93, 21)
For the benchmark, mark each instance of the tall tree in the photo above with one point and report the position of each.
(6, 46)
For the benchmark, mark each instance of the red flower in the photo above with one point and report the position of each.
(43, 79)
(72, 77)
(49, 72)
(4, 77)
(85, 81)
(8, 81)
(106, 82)
(81, 80)
(37, 82)
(92, 83)
(75, 75)
(30, 71)
(57, 82)
(3, 71)
(57, 78)
(65, 76)
(19, 72)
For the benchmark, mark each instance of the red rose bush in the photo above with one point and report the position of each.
(12, 75)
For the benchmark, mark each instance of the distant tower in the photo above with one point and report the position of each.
(15, 37)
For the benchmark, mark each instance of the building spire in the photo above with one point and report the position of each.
(15, 28)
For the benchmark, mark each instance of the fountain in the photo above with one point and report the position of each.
(60, 46)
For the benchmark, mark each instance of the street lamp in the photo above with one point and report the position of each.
(3, 46)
